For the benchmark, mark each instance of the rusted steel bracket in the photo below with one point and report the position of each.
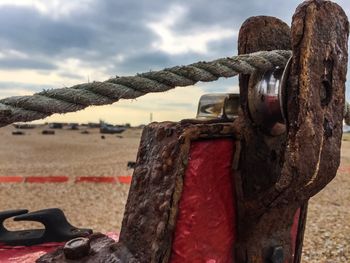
(317, 96)
(278, 174)
(260, 229)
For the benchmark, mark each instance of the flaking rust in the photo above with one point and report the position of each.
(296, 165)
(151, 209)
(316, 104)
(260, 229)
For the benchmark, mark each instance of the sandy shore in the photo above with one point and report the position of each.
(68, 153)
(100, 206)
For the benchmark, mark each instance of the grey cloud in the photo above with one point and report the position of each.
(223, 48)
(143, 62)
(10, 88)
(107, 28)
(70, 75)
(157, 60)
(27, 30)
(21, 63)
(231, 14)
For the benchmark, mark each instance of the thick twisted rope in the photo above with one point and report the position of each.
(78, 97)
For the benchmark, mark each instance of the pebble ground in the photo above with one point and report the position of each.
(101, 206)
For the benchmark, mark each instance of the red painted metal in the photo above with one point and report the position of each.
(25, 254)
(294, 230)
(206, 227)
(46, 179)
(31, 254)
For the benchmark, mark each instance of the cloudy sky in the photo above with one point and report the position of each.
(50, 44)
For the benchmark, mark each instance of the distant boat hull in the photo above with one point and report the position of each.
(111, 130)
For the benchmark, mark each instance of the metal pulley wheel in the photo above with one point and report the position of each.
(267, 100)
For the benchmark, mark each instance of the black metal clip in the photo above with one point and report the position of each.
(57, 228)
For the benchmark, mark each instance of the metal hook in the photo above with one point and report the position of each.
(57, 228)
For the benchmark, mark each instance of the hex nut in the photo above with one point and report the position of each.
(77, 248)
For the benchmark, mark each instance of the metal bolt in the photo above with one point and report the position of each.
(77, 248)
(277, 255)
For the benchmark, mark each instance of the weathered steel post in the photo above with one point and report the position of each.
(279, 173)
(261, 157)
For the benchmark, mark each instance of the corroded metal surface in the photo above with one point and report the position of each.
(316, 97)
(150, 213)
(260, 231)
(102, 249)
(260, 162)
(279, 174)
